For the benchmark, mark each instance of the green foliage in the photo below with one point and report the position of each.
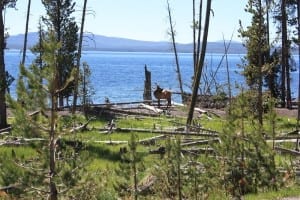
(168, 171)
(86, 90)
(250, 164)
(59, 19)
(130, 168)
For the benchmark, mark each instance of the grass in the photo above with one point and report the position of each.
(103, 157)
(293, 191)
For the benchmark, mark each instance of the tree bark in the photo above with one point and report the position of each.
(199, 66)
(26, 33)
(260, 66)
(147, 85)
(284, 53)
(78, 58)
(3, 117)
(175, 52)
(298, 118)
(285, 58)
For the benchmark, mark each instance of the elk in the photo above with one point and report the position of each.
(160, 93)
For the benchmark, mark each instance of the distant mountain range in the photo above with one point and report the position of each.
(105, 43)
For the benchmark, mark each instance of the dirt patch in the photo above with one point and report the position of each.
(292, 113)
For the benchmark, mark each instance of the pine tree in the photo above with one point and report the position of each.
(37, 91)
(256, 42)
(3, 84)
(250, 164)
(129, 169)
(59, 19)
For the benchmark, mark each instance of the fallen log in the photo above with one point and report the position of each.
(127, 112)
(202, 132)
(8, 129)
(151, 108)
(200, 142)
(198, 150)
(151, 141)
(80, 128)
(159, 150)
(20, 141)
(9, 187)
(111, 142)
(288, 151)
(200, 110)
(4, 133)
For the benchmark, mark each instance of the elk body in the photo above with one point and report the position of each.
(160, 93)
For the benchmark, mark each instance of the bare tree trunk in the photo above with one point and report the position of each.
(26, 33)
(194, 37)
(78, 58)
(199, 65)
(228, 74)
(147, 85)
(260, 66)
(284, 53)
(175, 52)
(52, 170)
(199, 33)
(298, 118)
(3, 119)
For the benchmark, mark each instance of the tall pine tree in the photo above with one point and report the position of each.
(59, 19)
(3, 84)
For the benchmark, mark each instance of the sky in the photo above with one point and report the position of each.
(140, 19)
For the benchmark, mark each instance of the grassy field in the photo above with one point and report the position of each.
(101, 157)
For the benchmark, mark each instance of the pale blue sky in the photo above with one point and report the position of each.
(141, 19)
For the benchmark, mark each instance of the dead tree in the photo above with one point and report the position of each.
(78, 58)
(147, 85)
(200, 63)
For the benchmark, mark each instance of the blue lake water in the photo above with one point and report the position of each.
(120, 75)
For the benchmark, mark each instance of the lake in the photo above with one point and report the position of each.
(120, 75)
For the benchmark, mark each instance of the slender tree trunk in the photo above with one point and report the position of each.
(194, 37)
(228, 76)
(3, 119)
(288, 82)
(199, 66)
(178, 163)
(260, 66)
(52, 173)
(298, 118)
(199, 33)
(175, 52)
(26, 32)
(284, 53)
(271, 80)
(78, 58)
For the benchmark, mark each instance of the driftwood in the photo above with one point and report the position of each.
(151, 108)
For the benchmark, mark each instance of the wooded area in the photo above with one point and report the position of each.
(128, 150)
